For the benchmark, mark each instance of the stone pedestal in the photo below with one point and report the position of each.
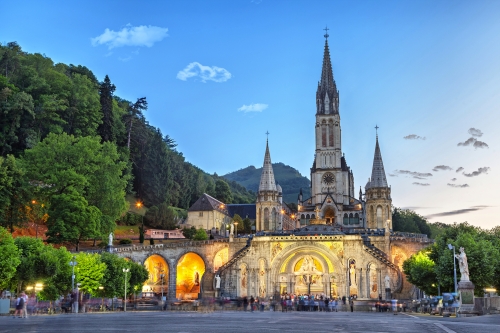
(387, 294)
(466, 292)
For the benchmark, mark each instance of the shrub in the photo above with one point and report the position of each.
(125, 241)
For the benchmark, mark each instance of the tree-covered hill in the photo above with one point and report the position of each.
(64, 112)
(289, 178)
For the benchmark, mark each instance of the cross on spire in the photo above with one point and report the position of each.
(326, 32)
(376, 129)
(267, 134)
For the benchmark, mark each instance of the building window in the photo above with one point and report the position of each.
(380, 223)
(346, 219)
(201, 214)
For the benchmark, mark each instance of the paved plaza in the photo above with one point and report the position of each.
(232, 321)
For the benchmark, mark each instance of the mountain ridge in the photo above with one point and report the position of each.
(288, 177)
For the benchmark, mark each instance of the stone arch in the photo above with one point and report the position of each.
(221, 257)
(243, 280)
(158, 275)
(373, 278)
(328, 259)
(329, 214)
(190, 269)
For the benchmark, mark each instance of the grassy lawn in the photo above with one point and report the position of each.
(127, 230)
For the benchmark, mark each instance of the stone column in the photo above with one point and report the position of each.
(360, 284)
(172, 278)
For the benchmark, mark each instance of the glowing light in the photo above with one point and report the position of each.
(138, 204)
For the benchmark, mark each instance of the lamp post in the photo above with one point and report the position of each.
(451, 247)
(138, 204)
(236, 229)
(125, 271)
(73, 263)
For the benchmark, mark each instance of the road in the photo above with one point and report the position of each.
(240, 322)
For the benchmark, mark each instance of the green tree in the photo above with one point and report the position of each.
(87, 185)
(60, 282)
(406, 220)
(14, 193)
(89, 272)
(420, 271)
(223, 192)
(72, 220)
(247, 226)
(106, 90)
(39, 262)
(200, 234)
(9, 260)
(138, 275)
(114, 277)
(161, 216)
(135, 111)
(239, 220)
(189, 233)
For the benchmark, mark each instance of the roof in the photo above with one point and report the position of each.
(267, 182)
(243, 210)
(208, 203)
(378, 178)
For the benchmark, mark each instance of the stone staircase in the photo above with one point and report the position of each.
(237, 256)
(383, 258)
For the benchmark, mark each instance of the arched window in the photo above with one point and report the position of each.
(273, 225)
(380, 222)
(266, 218)
(346, 219)
(351, 219)
(308, 217)
(356, 218)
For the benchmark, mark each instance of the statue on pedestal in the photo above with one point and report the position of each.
(217, 281)
(110, 239)
(232, 229)
(387, 281)
(464, 266)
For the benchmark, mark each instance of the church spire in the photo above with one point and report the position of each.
(327, 96)
(267, 182)
(378, 173)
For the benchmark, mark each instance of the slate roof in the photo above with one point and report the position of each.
(243, 210)
(208, 203)
(378, 178)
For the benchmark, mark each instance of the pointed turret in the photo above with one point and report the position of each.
(327, 95)
(378, 173)
(267, 182)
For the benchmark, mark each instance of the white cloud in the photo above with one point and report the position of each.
(206, 73)
(131, 36)
(257, 107)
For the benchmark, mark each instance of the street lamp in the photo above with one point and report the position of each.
(73, 263)
(236, 228)
(451, 247)
(125, 271)
(138, 204)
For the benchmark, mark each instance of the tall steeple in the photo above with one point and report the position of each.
(378, 173)
(267, 182)
(327, 95)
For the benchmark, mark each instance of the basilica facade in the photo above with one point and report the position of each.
(335, 245)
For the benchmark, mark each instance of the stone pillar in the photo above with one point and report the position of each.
(466, 292)
(360, 283)
(172, 278)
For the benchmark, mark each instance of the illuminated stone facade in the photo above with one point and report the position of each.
(339, 246)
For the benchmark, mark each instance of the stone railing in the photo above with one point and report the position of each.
(128, 248)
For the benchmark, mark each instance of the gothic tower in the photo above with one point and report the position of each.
(332, 182)
(269, 198)
(378, 195)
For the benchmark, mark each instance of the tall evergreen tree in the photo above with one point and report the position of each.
(106, 90)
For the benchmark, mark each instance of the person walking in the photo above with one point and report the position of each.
(25, 305)
(19, 307)
(351, 303)
(245, 303)
(252, 300)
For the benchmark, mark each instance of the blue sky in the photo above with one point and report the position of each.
(219, 74)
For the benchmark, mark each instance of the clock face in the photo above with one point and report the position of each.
(328, 178)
